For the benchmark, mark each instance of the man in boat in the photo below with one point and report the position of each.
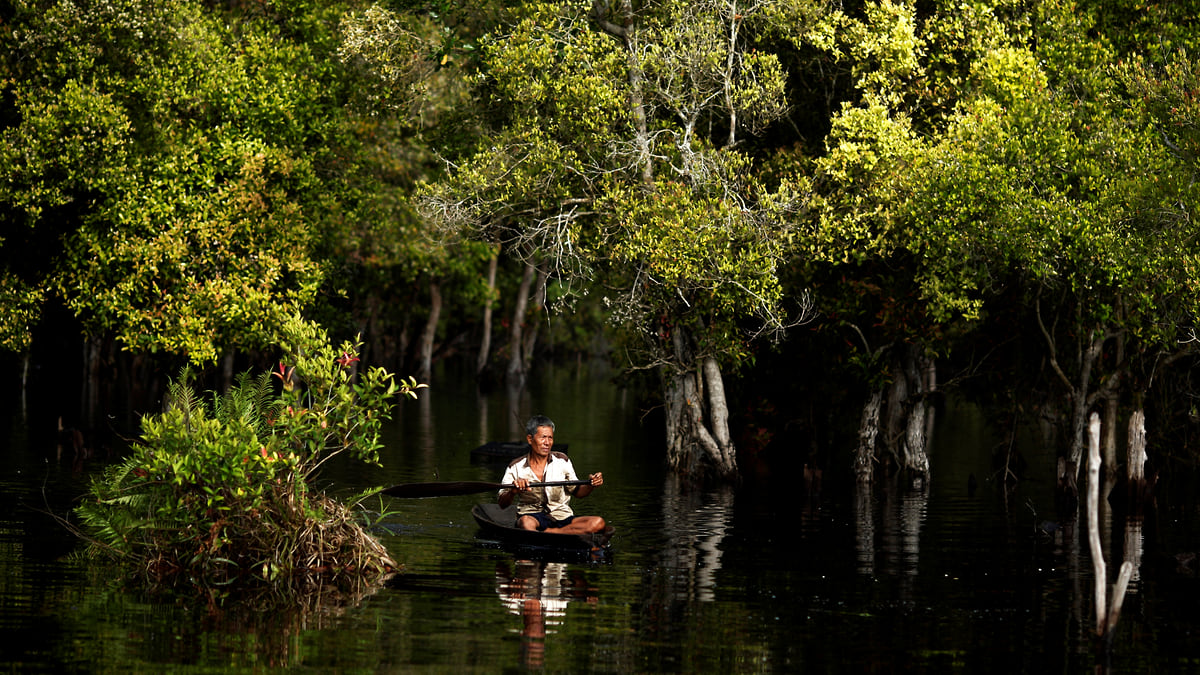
(547, 508)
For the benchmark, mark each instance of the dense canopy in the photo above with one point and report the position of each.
(753, 202)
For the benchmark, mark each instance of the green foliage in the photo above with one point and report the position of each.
(1167, 94)
(221, 488)
(19, 310)
(704, 265)
(958, 36)
(186, 176)
(565, 175)
(143, 281)
(392, 52)
(181, 161)
(699, 69)
(870, 148)
(1150, 30)
(882, 47)
(1012, 167)
(702, 249)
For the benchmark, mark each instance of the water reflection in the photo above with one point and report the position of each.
(539, 592)
(695, 524)
(864, 529)
(702, 582)
(898, 535)
(517, 400)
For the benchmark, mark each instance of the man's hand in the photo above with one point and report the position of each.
(508, 495)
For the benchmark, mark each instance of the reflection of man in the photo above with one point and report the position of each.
(538, 592)
(547, 508)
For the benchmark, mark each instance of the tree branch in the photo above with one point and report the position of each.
(1052, 347)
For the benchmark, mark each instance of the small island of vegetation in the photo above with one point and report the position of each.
(220, 490)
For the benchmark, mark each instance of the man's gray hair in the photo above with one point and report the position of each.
(536, 421)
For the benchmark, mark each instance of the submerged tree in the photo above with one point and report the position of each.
(1036, 184)
(854, 233)
(617, 159)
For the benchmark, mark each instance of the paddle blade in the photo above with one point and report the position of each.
(419, 490)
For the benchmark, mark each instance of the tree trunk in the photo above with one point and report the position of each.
(1080, 403)
(868, 430)
(227, 371)
(425, 368)
(915, 457)
(719, 417)
(403, 340)
(1108, 436)
(24, 383)
(625, 32)
(636, 102)
(485, 342)
(894, 421)
(692, 447)
(931, 387)
(516, 363)
(1077, 392)
(908, 412)
(91, 381)
(539, 306)
(1099, 567)
(1135, 460)
(730, 66)
(678, 391)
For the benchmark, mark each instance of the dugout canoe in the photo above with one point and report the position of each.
(500, 524)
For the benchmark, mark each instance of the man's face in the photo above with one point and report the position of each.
(542, 441)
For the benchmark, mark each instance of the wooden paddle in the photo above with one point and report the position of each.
(464, 487)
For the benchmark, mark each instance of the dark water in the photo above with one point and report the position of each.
(757, 579)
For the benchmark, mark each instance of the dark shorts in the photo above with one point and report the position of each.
(545, 521)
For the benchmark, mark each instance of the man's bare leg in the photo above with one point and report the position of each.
(581, 525)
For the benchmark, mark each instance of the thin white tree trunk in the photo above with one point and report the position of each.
(730, 62)
(1135, 460)
(425, 369)
(516, 364)
(485, 342)
(1099, 567)
(1079, 399)
(539, 307)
